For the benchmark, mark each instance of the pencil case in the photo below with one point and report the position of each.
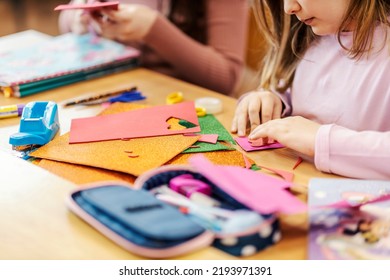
(138, 219)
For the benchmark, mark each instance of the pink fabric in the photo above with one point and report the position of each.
(260, 192)
(352, 100)
(217, 65)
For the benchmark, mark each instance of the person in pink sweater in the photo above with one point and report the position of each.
(200, 41)
(325, 89)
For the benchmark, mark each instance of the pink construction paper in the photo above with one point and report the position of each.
(286, 175)
(260, 192)
(146, 122)
(90, 6)
(208, 138)
(246, 145)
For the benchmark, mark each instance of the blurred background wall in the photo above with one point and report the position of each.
(19, 15)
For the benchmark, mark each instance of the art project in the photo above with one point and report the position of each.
(90, 6)
(145, 122)
(349, 219)
(246, 145)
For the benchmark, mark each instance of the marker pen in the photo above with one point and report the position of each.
(10, 111)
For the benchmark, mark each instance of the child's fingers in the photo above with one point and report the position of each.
(233, 128)
(258, 132)
(267, 108)
(277, 112)
(241, 119)
(254, 108)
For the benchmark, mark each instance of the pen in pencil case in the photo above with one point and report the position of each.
(99, 96)
(11, 111)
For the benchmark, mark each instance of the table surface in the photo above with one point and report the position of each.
(35, 221)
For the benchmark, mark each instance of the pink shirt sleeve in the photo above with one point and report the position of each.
(364, 154)
(217, 65)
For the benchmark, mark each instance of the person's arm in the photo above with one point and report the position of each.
(219, 64)
(364, 154)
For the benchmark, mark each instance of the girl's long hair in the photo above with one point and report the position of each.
(288, 38)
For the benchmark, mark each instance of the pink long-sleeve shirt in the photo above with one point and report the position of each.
(216, 65)
(351, 99)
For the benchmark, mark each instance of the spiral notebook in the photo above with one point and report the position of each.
(62, 60)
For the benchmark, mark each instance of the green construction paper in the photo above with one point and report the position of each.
(255, 167)
(207, 147)
(210, 125)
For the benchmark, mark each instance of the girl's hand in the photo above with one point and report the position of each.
(296, 133)
(257, 106)
(129, 23)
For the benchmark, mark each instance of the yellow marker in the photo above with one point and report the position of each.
(175, 97)
(10, 111)
(200, 111)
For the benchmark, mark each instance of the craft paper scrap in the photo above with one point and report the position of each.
(286, 175)
(203, 147)
(81, 174)
(145, 122)
(208, 138)
(210, 125)
(260, 192)
(89, 6)
(246, 145)
(343, 232)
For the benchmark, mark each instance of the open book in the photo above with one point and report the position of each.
(349, 219)
(62, 60)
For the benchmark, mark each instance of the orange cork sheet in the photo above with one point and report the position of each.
(134, 156)
(80, 174)
(217, 157)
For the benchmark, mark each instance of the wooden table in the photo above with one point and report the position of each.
(35, 224)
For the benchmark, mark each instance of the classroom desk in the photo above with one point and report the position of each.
(35, 223)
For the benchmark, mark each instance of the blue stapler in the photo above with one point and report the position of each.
(38, 125)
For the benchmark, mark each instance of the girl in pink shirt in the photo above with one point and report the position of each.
(200, 41)
(325, 87)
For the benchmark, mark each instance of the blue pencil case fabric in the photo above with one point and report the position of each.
(134, 218)
(137, 221)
